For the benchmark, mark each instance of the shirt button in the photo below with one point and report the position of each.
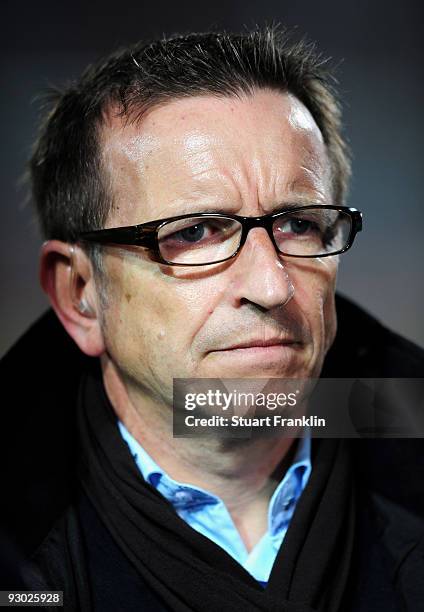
(183, 497)
(288, 503)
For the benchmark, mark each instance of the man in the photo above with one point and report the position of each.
(192, 192)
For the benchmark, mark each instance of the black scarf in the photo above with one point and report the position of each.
(186, 570)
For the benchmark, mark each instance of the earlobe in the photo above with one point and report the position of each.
(66, 276)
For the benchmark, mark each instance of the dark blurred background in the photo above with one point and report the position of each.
(378, 48)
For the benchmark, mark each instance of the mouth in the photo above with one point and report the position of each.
(260, 357)
(261, 344)
(282, 357)
(264, 353)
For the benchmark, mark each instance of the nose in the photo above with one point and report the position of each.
(260, 275)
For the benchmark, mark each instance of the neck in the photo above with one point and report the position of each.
(243, 473)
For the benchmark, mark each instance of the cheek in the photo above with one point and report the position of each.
(129, 317)
(314, 284)
(125, 326)
(328, 301)
(154, 316)
(330, 320)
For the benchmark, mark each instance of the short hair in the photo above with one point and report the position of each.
(69, 187)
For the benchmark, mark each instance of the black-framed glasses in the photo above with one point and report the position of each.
(208, 238)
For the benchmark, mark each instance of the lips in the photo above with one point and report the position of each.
(260, 343)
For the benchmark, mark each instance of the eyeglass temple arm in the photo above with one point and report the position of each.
(134, 234)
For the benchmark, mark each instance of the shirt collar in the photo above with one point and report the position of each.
(286, 495)
(150, 470)
(184, 496)
(181, 495)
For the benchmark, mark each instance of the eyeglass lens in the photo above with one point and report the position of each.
(201, 240)
(312, 232)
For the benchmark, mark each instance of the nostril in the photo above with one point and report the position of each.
(258, 307)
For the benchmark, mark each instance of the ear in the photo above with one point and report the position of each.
(67, 276)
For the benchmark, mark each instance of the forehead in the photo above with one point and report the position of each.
(214, 153)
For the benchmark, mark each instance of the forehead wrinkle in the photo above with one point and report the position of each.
(225, 171)
(309, 178)
(311, 182)
(298, 193)
(215, 180)
(212, 171)
(288, 183)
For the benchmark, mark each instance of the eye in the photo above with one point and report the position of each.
(196, 232)
(299, 226)
(192, 233)
(195, 240)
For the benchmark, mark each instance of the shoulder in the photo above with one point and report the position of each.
(40, 377)
(364, 347)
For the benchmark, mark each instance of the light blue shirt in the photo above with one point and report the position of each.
(208, 514)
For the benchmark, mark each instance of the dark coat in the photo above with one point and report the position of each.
(40, 377)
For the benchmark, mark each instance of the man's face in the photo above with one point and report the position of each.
(248, 156)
